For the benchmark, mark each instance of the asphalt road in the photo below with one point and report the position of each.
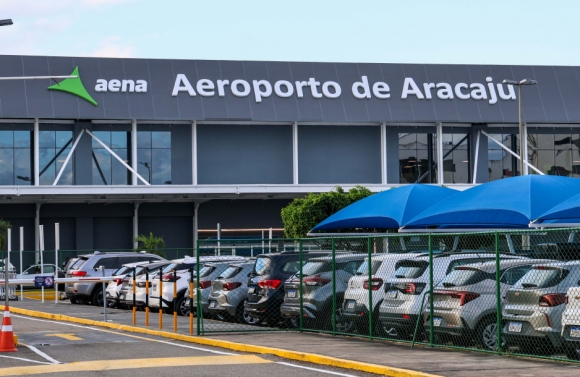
(51, 347)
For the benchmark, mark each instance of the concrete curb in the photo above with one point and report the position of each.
(287, 354)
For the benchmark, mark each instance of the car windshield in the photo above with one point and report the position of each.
(178, 267)
(263, 265)
(312, 268)
(542, 277)
(364, 267)
(410, 269)
(464, 276)
(230, 272)
(122, 271)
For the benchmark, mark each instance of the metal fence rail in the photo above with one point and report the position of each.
(506, 292)
(11, 289)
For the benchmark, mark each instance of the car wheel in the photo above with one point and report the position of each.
(111, 304)
(97, 297)
(488, 335)
(572, 353)
(182, 309)
(343, 324)
(74, 301)
(248, 319)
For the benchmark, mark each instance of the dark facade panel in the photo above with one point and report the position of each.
(113, 233)
(339, 154)
(241, 214)
(242, 154)
(176, 231)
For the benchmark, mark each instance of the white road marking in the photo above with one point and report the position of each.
(42, 354)
(128, 335)
(23, 359)
(316, 369)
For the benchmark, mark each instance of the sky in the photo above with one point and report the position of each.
(513, 32)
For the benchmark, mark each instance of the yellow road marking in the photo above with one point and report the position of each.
(133, 364)
(66, 336)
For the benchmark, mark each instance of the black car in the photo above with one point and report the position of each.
(266, 284)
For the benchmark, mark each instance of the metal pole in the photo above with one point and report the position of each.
(497, 294)
(67, 159)
(431, 309)
(301, 318)
(219, 236)
(197, 294)
(41, 239)
(160, 298)
(36, 153)
(134, 150)
(174, 300)
(270, 240)
(104, 288)
(476, 157)
(191, 300)
(520, 130)
(21, 268)
(146, 297)
(56, 264)
(333, 286)
(134, 298)
(370, 285)
(7, 268)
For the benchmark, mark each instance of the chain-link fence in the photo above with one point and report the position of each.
(462, 290)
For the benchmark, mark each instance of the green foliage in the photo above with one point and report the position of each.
(151, 244)
(303, 214)
(4, 225)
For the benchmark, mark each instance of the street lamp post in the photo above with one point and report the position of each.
(146, 164)
(520, 123)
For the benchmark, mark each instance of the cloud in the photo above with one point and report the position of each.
(113, 47)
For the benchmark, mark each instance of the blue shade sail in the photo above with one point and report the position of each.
(566, 212)
(506, 203)
(388, 209)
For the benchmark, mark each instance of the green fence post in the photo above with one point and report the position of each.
(431, 334)
(497, 294)
(370, 285)
(301, 319)
(333, 287)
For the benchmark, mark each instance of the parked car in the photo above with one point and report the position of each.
(571, 322)
(182, 276)
(265, 285)
(356, 296)
(534, 306)
(209, 272)
(126, 292)
(465, 301)
(318, 291)
(88, 266)
(228, 293)
(406, 289)
(121, 278)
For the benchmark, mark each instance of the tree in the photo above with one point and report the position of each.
(4, 225)
(303, 214)
(151, 244)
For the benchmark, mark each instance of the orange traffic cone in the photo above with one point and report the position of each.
(7, 335)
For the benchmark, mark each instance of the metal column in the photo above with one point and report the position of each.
(295, 153)
(36, 138)
(134, 151)
(135, 225)
(194, 153)
(195, 225)
(383, 153)
(440, 171)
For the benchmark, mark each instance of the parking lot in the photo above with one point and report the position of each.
(59, 347)
(94, 350)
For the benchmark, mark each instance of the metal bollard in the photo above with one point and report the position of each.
(160, 298)
(104, 295)
(134, 302)
(174, 300)
(190, 301)
(146, 297)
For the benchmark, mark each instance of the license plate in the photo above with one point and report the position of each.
(392, 294)
(212, 304)
(436, 322)
(251, 289)
(154, 286)
(515, 327)
(350, 305)
(291, 293)
(575, 332)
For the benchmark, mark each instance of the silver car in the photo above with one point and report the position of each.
(406, 290)
(228, 293)
(532, 315)
(465, 301)
(209, 272)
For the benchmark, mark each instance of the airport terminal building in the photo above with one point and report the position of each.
(110, 148)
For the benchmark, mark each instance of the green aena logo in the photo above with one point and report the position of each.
(74, 86)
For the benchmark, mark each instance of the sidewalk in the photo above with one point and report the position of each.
(436, 361)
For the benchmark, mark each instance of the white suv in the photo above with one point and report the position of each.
(356, 296)
(571, 322)
(182, 269)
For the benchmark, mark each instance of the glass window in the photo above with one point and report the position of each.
(410, 269)
(364, 267)
(15, 159)
(230, 272)
(455, 158)
(263, 265)
(312, 268)
(512, 275)
(351, 267)
(291, 267)
(54, 147)
(416, 156)
(154, 156)
(107, 170)
(464, 276)
(542, 277)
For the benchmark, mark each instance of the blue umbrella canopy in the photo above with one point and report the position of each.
(388, 209)
(567, 211)
(506, 203)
